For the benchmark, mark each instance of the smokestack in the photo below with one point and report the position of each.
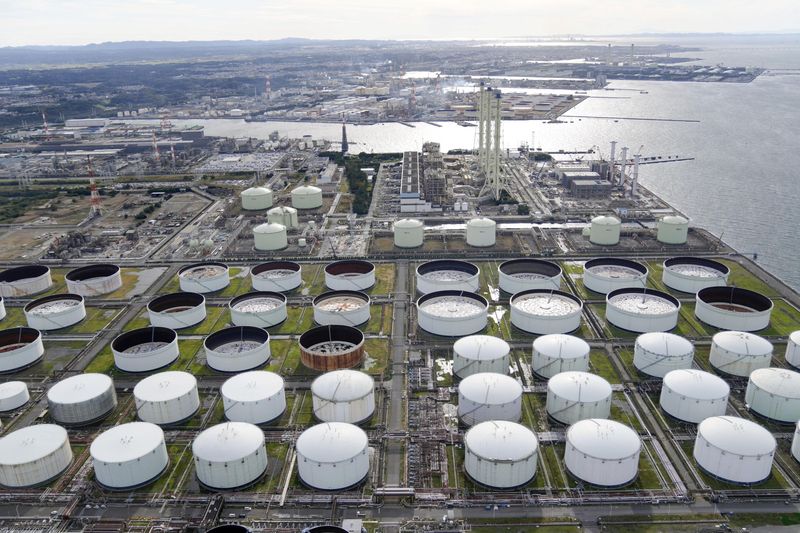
(623, 165)
(635, 175)
(612, 160)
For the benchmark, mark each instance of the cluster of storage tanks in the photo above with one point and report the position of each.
(272, 235)
(480, 232)
(605, 230)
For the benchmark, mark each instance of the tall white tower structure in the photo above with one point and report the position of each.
(495, 181)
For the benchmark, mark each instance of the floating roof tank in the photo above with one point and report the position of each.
(55, 312)
(642, 310)
(204, 277)
(94, 280)
(656, 354)
(733, 308)
(333, 347)
(270, 237)
(481, 232)
(739, 353)
(24, 281)
(332, 456)
(81, 399)
(447, 274)
(167, 398)
(545, 311)
(452, 313)
(263, 309)
(19, 348)
(350, 275)
(34, 455)
(13, 395)
(605, 230)
(237, 348)
(693, 395)
(480, 353)
(489, 396)
(409, 233)
(177, 310)
(256, 397)
(673, 229)
(129, 455)
(519, 275)
(606, 274)
(343, 396)
(256, 198)
(734, 450)
(556, 353)
(145, 349)
(774, 393)
(230, 455)
(691, 274)
(347, 308)
(307, 197)
(500, 454)
(602, 452)
(574, 396)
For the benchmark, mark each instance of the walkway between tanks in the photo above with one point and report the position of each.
(394, 458)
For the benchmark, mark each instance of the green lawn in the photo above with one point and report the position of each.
(600, 364)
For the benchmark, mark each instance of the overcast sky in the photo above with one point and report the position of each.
(25, 22)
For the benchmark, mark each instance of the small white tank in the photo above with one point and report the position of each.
(605, 230)
(602, 452)
(774, 393)
(489, 396)
(81, 399)
(256, 198)
(409, 233)
(793, 349)
(284, 215)
(481, 232)
(343, 396)
(34, 455)
(230, 455)
(270, 237)
(739, 353)
(556, 353)
(574, 396)
(693, 395)
(656, 354)
(13, 395)
(307, 197)
(734, 449)
(256, 397)
(480, 353)
(166, 398)
(500, 454)
(129, 455)
(673, 229)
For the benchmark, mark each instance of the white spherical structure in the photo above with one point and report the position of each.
(343, 396)
(452, 313)
(693, 395)
(177, 310)
(642, 310)
(204, 277)
(481, 232)
(24, 281)
(94, 280)
(307, 197)
(332, 456)
(81, 399)
(447, 275)
(145, 349)
(256, 198)
(19, 348)
(793, 349)
(796, 442)
(607, 274)
(34, 455)
(556, 353)
(733, 308)
(346, 308)
(774, 393)
(269, 237)
(408, 233)
(480, 353)
(129, 455)
(602, 452)
(350, 275)
(489, 396)
(284, 215)
(656, 354)
(739, 353)
(55, 312)
(519, 275)
(230, 455)
(13, 395)
(256, 397)
(276, 276)
(690, 274)
(574, 396)
(672, 229)
(237, 348)
(734, 449)
(166, 398)
(605, 230)
(263, 309)
(501, 454)
(546, 311)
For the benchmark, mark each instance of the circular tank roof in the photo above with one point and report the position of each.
(9, 389)
(80, 388)
(176, 301)
(408, 223)
(528, 269)
(546, 302)
(331, 339)
(499, 440)
(674, 219)
(737, 436)
(603, 439)
(84, 273)
(281, 209)
(258, 302)
(203, 270)
(481, 347)
(615, 268)
(452, 304)
(735, 299)
(269, 228)
(343, 385)
(490, 388)
(605, 220)
(54, 304)
(126, 442)
(645, 302)
(579, 386)
(696, 267)
(742, 343)
(666, 344)
(31, 443)
(229, 441)
(696, 384)
(252, 386)
(256, 191)
(332, 442)
(562, 346)
(778, 381)
(306, 190)
(795, 337)
(481, 222)
(165, 386)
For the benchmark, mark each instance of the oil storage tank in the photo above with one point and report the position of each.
(517, 275)
(346, 308)
(480, 353)
(166, 398)
(556, 353)
(793, 349)
(34, 455)
(409, 233)
(307, 197)
(692, 395)
(19, 348)
(262, 309)
(738, 353)
(481, 232)
(774, 393)
(642, 310)
(256, 397)
(284, 215)
(2, 308)
(447, 274)
(204, 277)
(691, 274)
(129, 455)
(545, 311)
(81, 399)
(332, 456)
(237, 348)
(145, 349)
(94, 280)
(606, 274)
(343, 396)
(452, 313)
(276, 276)
(256, 198)
(605, 230)
(672, 229)
(734, 450)
(500, 454)
(230, 455)
(269, 237)
(733, 308)
(489, 396)
(326, 348)
(796, 442)
(13, 395)
(574, 396)
(24, 280)
(602, 452)
(350, 275)
(658, 353)
(55, 312)
(177, 310)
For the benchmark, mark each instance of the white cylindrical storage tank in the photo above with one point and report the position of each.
(269, 237)
(177, 310)
(607, 274)
(350, 275)
(81, 399)
(574, 396)
(556, 353)
(230, 455)
(489, 396)
(734, 450)
(276, 276)
(2, 308)
(733, 308)
(145, 349)
(204, 277)
(332, 456)
(642, 310)
(94, 280)
(657, 353)
(19, 348)
(690, 274)
(447, 275)
(346, 308)
(408, 233)
(237, 348)
(24, 281)
(796, 442)
(13, 395)
(481, 232)
(739, 353)
(307, 197)
(34, 455)
(256, 397)
(256, 198)
(673, 229)
(55, 312)
(166, 398)
(501, 454)
(545, 311)
(129, 455)
(335, 347)
(343, 396)
(602, 452)
(793, 349)
(480, 353)
(263, 309)
(519, 275)
(774, 393)
(605, 230)
(452, 313)
(284, 215)
(693, 395)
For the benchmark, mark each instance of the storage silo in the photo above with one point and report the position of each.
(24, 280)
(602, 452)
(409, 233)
(177, 310)
(481, 232)
(489, 396)
(517, 275)
(326, 348)
(13, 395)
(145, 349)
(556, 353)
(129, 455)
(269, 237)
(343, 396)
(204, 277)
(307, 197)
(673, 229)
(690, 274)
(606, 274)
(256, 397)
(237, 348)
(774, 393)
(452, 313)
(693, 395)
(739, 353)
(81, 399)
(574, 396)
(350, 275)
(480, 353)
(94, 280)
(166, 398)
(546, 311)
(500, 454)
(346, 308)
(642, 310)
(230, 455)
(263, 309)
(256, 198)
(733, 308)
(605, 230)
(276, 276)
(657, 353)
(34, 455)
(19, 348)
(447, 274)
(284, 215)
(55, 312)
(734, 450)
(332, 456)
(793, 349)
